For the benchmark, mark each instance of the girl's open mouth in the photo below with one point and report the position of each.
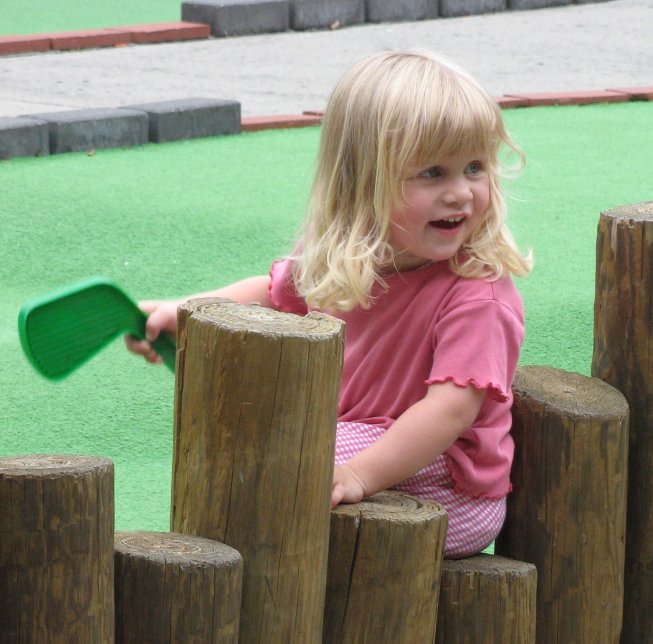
(447, 224)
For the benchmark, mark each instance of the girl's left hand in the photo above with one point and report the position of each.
(347, 487)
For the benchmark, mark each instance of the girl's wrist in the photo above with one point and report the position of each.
(352, 472)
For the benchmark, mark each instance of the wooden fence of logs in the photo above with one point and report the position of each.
(256, 555)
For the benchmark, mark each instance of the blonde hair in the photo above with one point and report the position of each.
(391, 114)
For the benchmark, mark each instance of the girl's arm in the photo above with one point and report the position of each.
(163, 313)
(415, 439)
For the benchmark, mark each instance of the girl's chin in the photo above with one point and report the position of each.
(405, 262)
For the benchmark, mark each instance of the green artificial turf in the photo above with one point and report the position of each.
(19, 17)
(166, 220)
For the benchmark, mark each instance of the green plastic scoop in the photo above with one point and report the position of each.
(65, 328)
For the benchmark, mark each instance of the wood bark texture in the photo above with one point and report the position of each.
(567, 511)
(385, 560)
(487, 599)
(256, 405)
(56, 549)
(623, 357)
(174, 588)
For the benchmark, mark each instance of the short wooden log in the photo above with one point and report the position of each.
(487, 599)
(56, 549)
(385, 559)
(255, 415)
(623, 357)
(174, 588)
(567, 511)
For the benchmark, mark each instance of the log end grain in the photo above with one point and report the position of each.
(568, 393)
(52, 465)
(391, 505)
(635, 212)
(261, 320)
(171, 548)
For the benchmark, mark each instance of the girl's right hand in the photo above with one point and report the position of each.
(162, 318)
(347, 486)
(162, 314)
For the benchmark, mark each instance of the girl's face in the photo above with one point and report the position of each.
(441, 206)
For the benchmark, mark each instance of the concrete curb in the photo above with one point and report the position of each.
(539, 4)
(90, 129)
(317, 14)
(84, 130)
(401, 10)
(223, 18)
(191, 118)
(23, 137)
(241, 17)
(457, 8)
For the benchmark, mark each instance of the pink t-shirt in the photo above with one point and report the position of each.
(431, 326)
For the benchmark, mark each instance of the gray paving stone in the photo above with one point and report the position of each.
(399, 10)
(451, 8)
(239, 17)
(325, 14)
(190, 118)
(23, 137)
(536, 4)
(78, 130)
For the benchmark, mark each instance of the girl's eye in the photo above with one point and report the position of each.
(432, 173)
(474, 167)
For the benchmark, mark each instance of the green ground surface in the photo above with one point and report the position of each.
(164, 220)
(19, 17)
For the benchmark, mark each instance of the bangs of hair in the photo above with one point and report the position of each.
(448, 114)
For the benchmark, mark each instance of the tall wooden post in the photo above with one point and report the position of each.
(567, 511)
(385, 562)
(56, 549)
(623, 357)
(255, 413)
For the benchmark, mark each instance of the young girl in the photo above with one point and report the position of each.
(405, 241)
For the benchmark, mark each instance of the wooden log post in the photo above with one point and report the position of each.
(385, 559)
(56, 549)
(567, 511)
(487, 599)
(255, 413)
(174, 588)
(623, 357)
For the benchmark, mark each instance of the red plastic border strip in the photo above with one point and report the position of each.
(255, 123)
(617, 95)
(110, 37)
(569, 98)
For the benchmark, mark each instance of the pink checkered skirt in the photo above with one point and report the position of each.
(474, 523)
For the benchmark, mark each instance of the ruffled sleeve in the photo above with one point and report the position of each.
(282, 291)
(477, 344)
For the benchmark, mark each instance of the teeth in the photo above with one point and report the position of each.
(453, 220)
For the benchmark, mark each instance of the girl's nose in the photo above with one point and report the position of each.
(457, 191)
